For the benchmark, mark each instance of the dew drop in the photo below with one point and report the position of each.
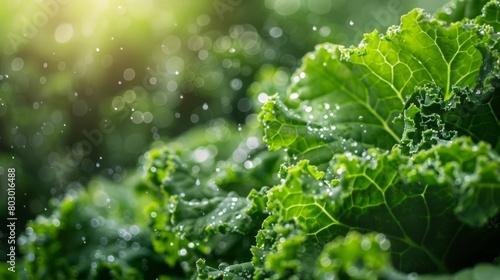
(223, 266)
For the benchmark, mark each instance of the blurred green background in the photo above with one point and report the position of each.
(86, 87)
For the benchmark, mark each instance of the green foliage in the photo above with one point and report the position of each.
(98, 233)
(405, 129)
(392, 164)
(354, 256)
(378, 162)
(212, 211)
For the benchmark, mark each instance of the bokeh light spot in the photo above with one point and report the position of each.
(37, 140)
(175, 65)
(171, 44)
(64, 33)
(320, 7)
(129, 74)
(284, 7)
(17, 64)
(80, 108)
